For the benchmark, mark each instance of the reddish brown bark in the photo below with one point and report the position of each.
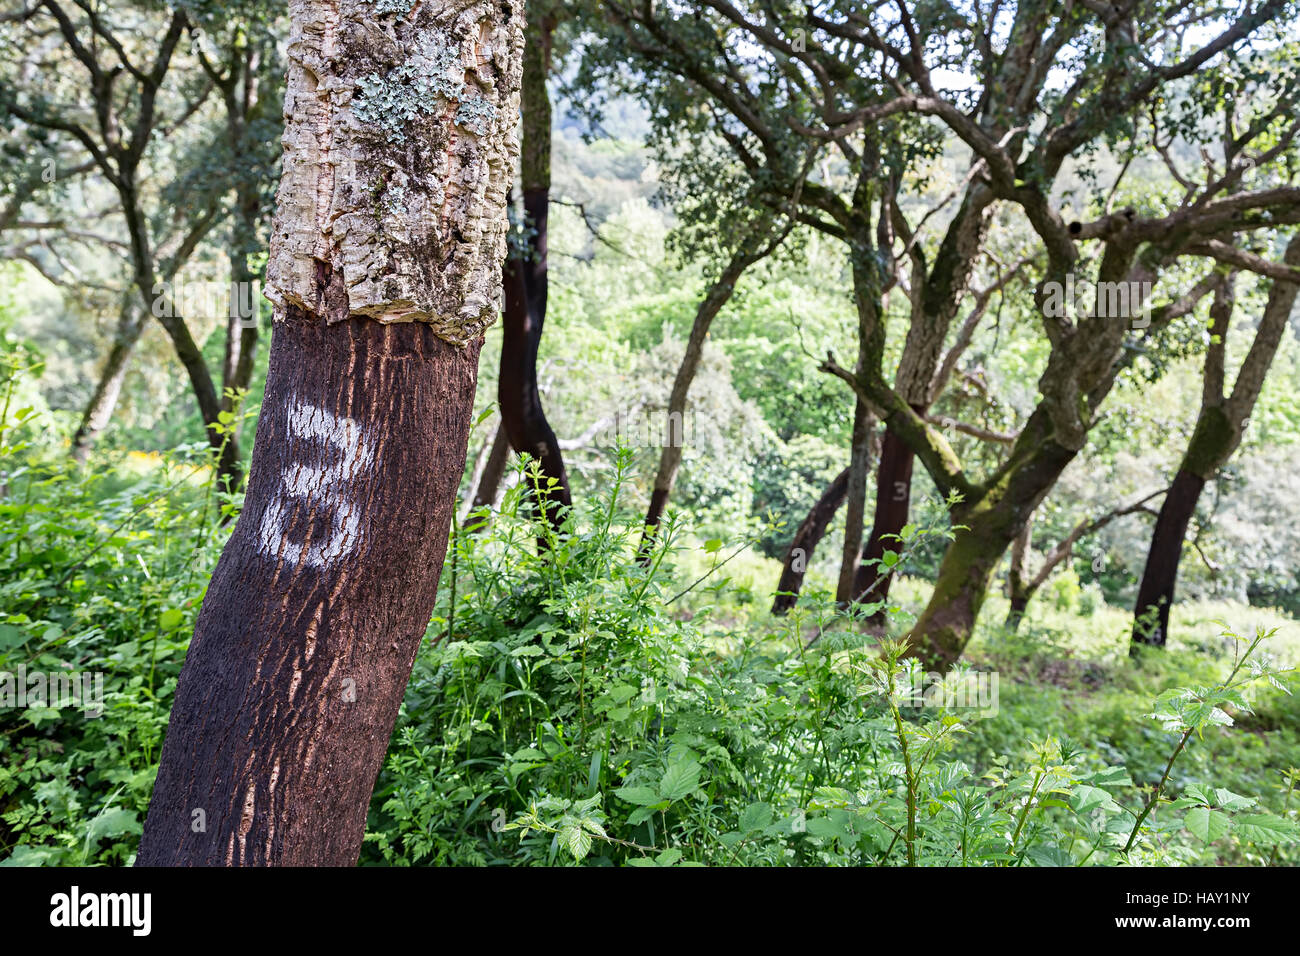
(526, 284)
(1156, 592)
(893, 506)
(810, 533)
(317, 607)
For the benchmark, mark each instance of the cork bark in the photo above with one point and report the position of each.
(399, 146)
(384, 270)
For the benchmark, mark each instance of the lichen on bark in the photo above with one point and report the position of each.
(397, 130)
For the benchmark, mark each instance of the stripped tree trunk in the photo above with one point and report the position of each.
(103, 401)
(1160, 574)
(385, 265)
(1219, 429)
(757, 244)
(893, 507)
(526, 285)
(806, 538)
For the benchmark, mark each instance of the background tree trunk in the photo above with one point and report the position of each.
(806, 538)
(526, 284)
(757, 244)
(103, 401)
(1019, 589)
(1156, 592)
(1220, 425)
(936, 297)
(318, 605)
(993, 516)
(893, 507)
(864, 423)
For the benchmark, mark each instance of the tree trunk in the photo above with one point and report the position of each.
(893, 507)
(526, 285)
(806, 538)
(1156, 592)
(755, 245)
(522, 416)
(318, 605)
(936, 297)
(103, 401)
(1019, 587)
(314, 615)
(864, 423)
(1219, 428)
(1016, 612)
(992, 517)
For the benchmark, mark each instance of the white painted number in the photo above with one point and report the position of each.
(327, 485)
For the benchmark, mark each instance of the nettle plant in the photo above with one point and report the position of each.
(568, 709)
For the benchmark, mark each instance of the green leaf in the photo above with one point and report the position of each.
(576, 840)
(1233, 801)
(622, 692)
(680, 779)
(1266, 828)
(1207, 825)
(756, 816)
(641, 796)
(829, 827)
(1049, 856)
(11, 637)
(113, 823)
(1086, 799)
